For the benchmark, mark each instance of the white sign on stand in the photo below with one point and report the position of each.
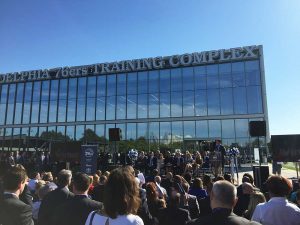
(256, 155)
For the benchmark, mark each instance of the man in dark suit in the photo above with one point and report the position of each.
(12, 210)
(55, 198)
(223, 198)
(220, 148)
(192, 202)
(76, 210)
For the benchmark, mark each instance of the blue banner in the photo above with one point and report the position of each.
(88, 160)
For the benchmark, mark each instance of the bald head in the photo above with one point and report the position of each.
(224, 195)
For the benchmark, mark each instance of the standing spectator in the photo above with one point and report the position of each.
(41, 193)
(35, 177)
(121, 201)
(12, 210)
(151, 162)
(55, 198)
(160, 163)
(76, 210)
(223, 199)
(190, 202)
(98, 192)
(277, 211)
(255, 199)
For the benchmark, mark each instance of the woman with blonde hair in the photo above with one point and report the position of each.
(255, 199)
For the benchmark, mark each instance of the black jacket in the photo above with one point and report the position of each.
(223, 217)
(14, 212)
(75, 211)
(173, 216)
(50, 202)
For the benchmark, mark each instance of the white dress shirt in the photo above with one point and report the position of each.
(277, 211)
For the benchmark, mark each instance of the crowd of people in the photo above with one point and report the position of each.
(128, 195)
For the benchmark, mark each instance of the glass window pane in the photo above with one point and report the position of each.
(142, 130)
(10, 113)
(165, 130)
(4, 91)
(240, 100)
(42, 131)
(121, 107)
(177, 131)
(224, 68)
(44, 112)
(26, 112)
(228, 129)
(111, 85)
(212, 76)
(81, 87)
(212, 70)
(54, 90)
(213, 102)
(79, 136)
(35, 112)
(202, 129)
(62, 110)
(36, 91)
(225, 75)
(28, 91)
(45, 90)
(33, 132)
(165, 99)
(164, 81)
(253, 78)
(176, 80)
(61, 133)
(226, 101)
(80, 109)
(153, 106)
(131, 106)
(153, 81)
(101, 86)
(72, 88)
(12, 93)
(189, 129)
(90, 109)
(71, 110)
(131, 131)
(200, 103)
(2, 113)
(110, 107)
(214, 128)
(100, 130)
(188, 77)
(142, 105)
(100, 110)
(63, 88)
(91, 89)
(121, 79)
(70, 132)
(176, 104)
(154, 132)
(238, 74)
(143, 82)
(252, 66)
(52, 111)
(107, 126)
(200, 77)
(254, 99)
(18, 113)
(188, 103)
(20, 91)
(132, 83)
(241, 127)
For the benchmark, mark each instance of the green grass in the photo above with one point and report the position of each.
(289, 165)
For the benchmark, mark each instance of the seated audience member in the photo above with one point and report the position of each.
(228, 177)
(244, 199)
(207, 181)
(12, 210)
(277, 211)
(121, 201)
(98, 192)
(255, 199)
(240, 187)
(173, 214)
(197, 189)
(76, 210)
(55, 198)
(223, 198)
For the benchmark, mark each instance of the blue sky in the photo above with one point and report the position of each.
(44, 34)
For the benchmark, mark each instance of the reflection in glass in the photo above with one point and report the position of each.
(121, 107)
(200, 103)
(142, 131)
(54, 90)
(35, 112)
(18, 113)
(224, 68)
(2, 113)
(143, 82)
(111, 85)
(213, 102)
(52, 111)
(142, 105)
(63, 88)
(20, 91)
(72, 88)
(153, 80)
(122, 126)
(110, 107)
(165, 131)
(100, 110)
(164, 81)
(81, 87)
(44, 112)
(10, 113)
(70, 132)
(12, 93)
(132, 83)
(202, 129)
(153, 106)
(165, 104)
(107, 126)
(241, 127)
(80, 109)
(177, 131)
(254, 99)
(154, 132)
(121, 84)
(91, 89)
(90, 109)
(131, 106)
(131, 131)
(214, 128)
(62, 110)
(176, 80)
(42, 131)
(226, 101)
(61, 133)
(176, 104)
(100, 130)
(28, 92)
(79, 136)
(188, 77)
(101, 86)
(26, 113)
(71, 110)
(45, 90)
(189, 129)
(4, 91)
(188, 103)
(228, 129)
(33, 132)
(240, 100)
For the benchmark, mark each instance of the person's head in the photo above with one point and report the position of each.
(43, 191)
(278, 186)
(121, 193)
(161, 203)
(35, 175)
(106, 173)
(157, 179)
(251, 180)
(103, 179)
(218, 142)
(177, 179)
(206, 180)
(228, 177)
(15, 180)
(255, 199)
(64, 178)
(99, 173)
(169, 175)
(197, 183)
(219, 178)
(174, 200)
(155, 172)
(185, 187)
(247, 188)
(96, 179)
(188, 177)
(151, 191)
(223, 195)
(81, 183)
(48, 177)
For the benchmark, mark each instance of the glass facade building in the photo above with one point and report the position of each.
(159, 108)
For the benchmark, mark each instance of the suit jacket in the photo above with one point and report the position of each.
(173, 216)
(98, 193)
(26, 196)
(75, 211)
(223, 217)
(193, 206)
(14, 212)
(50, 202)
